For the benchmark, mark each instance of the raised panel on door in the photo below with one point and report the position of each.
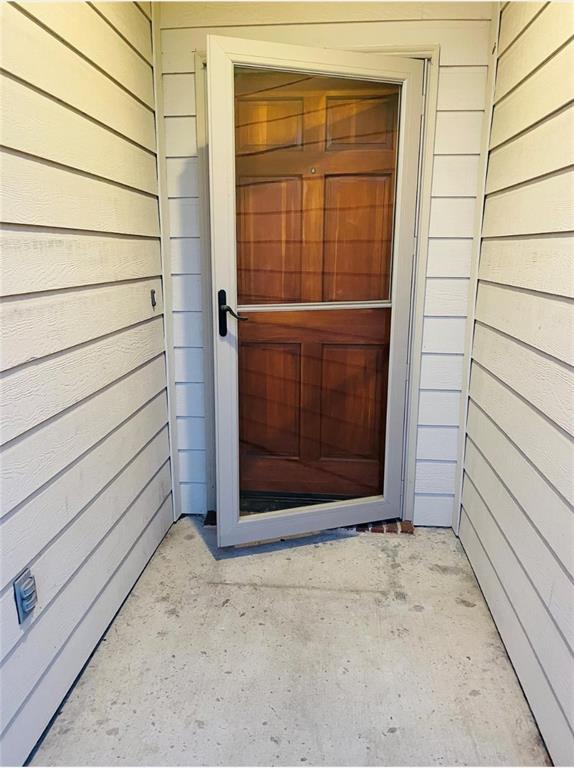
(365, 122)
(270, 384)
(357, 241)
(265, 124)
(352, 392)
(269, 248)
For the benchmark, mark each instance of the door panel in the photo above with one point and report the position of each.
(368, 122)
(357, 242)
(269, 247)
(351, 401)
(270, 385)
(264, 124)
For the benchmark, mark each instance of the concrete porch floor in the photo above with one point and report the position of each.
(340, 649)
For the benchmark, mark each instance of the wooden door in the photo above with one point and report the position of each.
(316, 163)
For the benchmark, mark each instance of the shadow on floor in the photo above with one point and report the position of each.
(208, 534)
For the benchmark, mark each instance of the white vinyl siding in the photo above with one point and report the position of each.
(84, 449)
(462, 30)
(517, 522)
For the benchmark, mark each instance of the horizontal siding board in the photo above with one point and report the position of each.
(537, 263)
(462, 88)
(434, 511)
(184, 217)
(191, 433)
(192, 466)
(548, 32)
(30, 463)
(514, 18)
(439, 408)
(42, 195)
(130, 23)
(189, 399)
(228, 14)
(456, 10)
(24, 667)
(437, 443)
(35, 260)
(455, 176)
(188, 365)
(87, 32)
(37, 392)
(441, 371)
(435, 477)
(549, 716)
(188, 329)
(552, 583)
(540, 206)
(39, 126)
(540, 320)
(180, 137)
(71, 79)
(178, 95)
(66, 552)
(547, 90)
(452, 217)
(176, 55)
(187, 293)
(186, 256)
(544, 635)
(547, 447)
(446, 297)
(194, 498)
(545, 383)
(37, 710)
(545, 149)
(444, 334)
(182, 177)
(41, 325)
(548, 512)
(458, 133)
(449, 258)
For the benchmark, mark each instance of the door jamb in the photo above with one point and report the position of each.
(431, 54)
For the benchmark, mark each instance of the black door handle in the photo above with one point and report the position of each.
(223, 308)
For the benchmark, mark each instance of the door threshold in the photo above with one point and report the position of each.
(256, 502)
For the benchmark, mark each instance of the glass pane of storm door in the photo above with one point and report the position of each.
(315, 177)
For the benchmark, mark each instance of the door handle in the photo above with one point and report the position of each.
(223, 308)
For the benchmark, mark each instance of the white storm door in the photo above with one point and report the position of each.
(313, 159)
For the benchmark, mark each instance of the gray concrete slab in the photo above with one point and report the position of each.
(340, 649)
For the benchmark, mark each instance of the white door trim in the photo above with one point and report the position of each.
(223, 54)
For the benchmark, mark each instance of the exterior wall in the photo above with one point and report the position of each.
(462, 30)
(86, 491)
(517, 525)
